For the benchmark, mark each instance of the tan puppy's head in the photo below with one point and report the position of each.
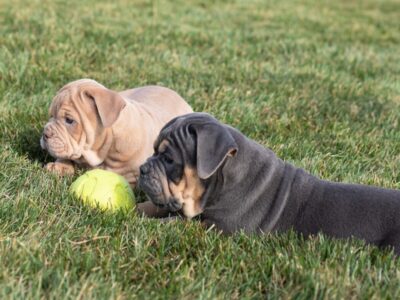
(187, 153)
(80, 117)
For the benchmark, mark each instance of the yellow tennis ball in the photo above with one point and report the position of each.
(104, 190)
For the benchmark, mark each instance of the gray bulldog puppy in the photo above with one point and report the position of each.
(202, 167)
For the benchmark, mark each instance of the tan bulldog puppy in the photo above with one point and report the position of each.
(94, 127)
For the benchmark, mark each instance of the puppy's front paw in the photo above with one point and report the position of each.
(148, 209)
(60, 168)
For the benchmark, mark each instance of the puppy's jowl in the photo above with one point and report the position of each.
(202, 167)
(93, 126)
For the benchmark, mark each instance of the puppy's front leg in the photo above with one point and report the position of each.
(148, 209)
(61, 167)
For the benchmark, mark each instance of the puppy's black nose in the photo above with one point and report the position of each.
(144, 169)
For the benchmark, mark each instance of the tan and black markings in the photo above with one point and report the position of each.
(188, 192)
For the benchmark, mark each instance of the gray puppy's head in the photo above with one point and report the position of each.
(188, 151)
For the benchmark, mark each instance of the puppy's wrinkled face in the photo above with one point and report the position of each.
(63, 132)
(170, 177)
(80, 115)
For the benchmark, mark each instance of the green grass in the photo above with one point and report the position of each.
(316, 81)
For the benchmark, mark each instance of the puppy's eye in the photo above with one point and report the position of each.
(69, 121)
(168, 160)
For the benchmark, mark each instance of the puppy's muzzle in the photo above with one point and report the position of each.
(45, 137)
(150, 182)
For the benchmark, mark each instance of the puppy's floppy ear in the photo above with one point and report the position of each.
(108, 103)
(214, 145)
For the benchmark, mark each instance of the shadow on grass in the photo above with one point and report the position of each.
(28, 143)
(21, 132)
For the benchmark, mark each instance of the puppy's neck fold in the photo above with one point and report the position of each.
(95, 153)
(92, 159)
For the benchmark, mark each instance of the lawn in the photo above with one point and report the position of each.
(316, 81)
